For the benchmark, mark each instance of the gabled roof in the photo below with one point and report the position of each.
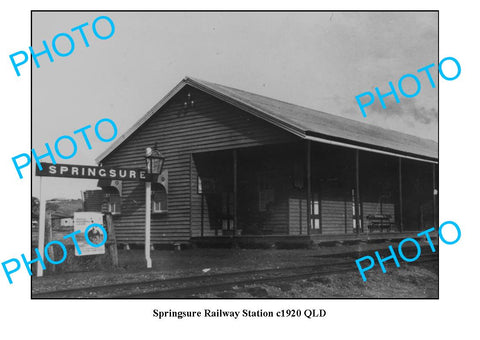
(305, 123)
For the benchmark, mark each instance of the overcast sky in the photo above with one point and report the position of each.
(318, 60)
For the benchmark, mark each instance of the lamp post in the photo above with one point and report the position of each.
(154, 163)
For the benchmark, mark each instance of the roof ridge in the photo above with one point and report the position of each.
(309, 109)
(302, 121)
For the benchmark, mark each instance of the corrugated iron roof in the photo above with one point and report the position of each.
(305, 123)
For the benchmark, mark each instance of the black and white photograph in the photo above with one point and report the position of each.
(261, 176)
(233, 170)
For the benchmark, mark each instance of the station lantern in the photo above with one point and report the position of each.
(154, 161)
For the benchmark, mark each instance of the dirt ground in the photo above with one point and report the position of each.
(409, 281)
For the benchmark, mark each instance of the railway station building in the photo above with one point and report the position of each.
(241, 166)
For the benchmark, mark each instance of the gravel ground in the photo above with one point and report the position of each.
(173, 264)
(409, 281)
(194, 262)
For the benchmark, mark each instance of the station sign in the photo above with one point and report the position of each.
(92, 172)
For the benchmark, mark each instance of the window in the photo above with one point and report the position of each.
(113, 200)
(265, 198)
(315, 211)
(159, 199)
(227, 210)
(205, 185)
(114, 208)
(266, 194)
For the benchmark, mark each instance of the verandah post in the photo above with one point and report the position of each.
(357, 191)
(400, 190)
(41, 227)
(235, 156)
(112, 239)
(434, 196)
(309, 186)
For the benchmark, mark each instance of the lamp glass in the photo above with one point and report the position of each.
(154, 161)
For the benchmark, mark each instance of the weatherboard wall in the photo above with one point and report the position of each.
(208, 125)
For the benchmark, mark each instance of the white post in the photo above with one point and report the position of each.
(41, 229)
(148, 197)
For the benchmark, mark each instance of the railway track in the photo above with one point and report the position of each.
(190, 286)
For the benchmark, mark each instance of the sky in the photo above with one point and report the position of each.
(320, 60)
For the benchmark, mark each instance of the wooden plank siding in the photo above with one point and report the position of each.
(297, 215)
(332, 185)
(268, 162)
(277, 223)
(209, 125)
(337, 216)
(417, 195)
